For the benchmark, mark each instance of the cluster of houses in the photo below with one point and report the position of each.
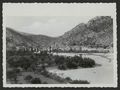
(59, 49)
(24, 48)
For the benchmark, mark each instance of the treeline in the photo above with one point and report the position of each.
(64, 63)
(27, 60)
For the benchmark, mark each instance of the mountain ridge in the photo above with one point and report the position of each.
(96, 32)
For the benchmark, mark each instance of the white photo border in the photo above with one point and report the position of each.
(11, 9)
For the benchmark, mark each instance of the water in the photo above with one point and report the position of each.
(98, 75)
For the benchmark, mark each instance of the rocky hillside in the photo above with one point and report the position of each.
(97, 32)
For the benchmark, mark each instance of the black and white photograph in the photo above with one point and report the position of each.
(59, 45)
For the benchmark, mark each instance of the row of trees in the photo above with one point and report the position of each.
(73, 62)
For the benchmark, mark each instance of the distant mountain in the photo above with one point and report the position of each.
(14, 38)
(97, 32)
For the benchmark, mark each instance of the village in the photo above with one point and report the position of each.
(75, 49)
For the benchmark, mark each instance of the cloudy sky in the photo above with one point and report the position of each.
(52, 26)
(52, 19)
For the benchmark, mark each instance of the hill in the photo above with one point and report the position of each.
(97, 32)
(15, 38)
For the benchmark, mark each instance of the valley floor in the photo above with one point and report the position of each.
(101, 73)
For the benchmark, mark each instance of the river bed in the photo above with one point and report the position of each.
(102, 74)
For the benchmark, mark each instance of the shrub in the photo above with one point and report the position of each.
(28, 78)
(20, 61)
(72, 65)
(45, 83)
(36, 81)
(62, 67)
(80, 82)
(59, 59)
(68, 79)
(12, 75)
(13, 61)
(73, 62)
(87, 62)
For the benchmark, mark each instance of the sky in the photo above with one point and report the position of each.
(51, 26)
(52, 19)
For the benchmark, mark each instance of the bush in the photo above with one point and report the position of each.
(28, 78)
(13, 61)
(62, 67)
(87, 62)
(59, 59)
(12, 75)
(36, 81)
(68, 79)
(45, 83)
(74, 62)
(20, 61)
(72, 65)
(44, 72)
(79, 82)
